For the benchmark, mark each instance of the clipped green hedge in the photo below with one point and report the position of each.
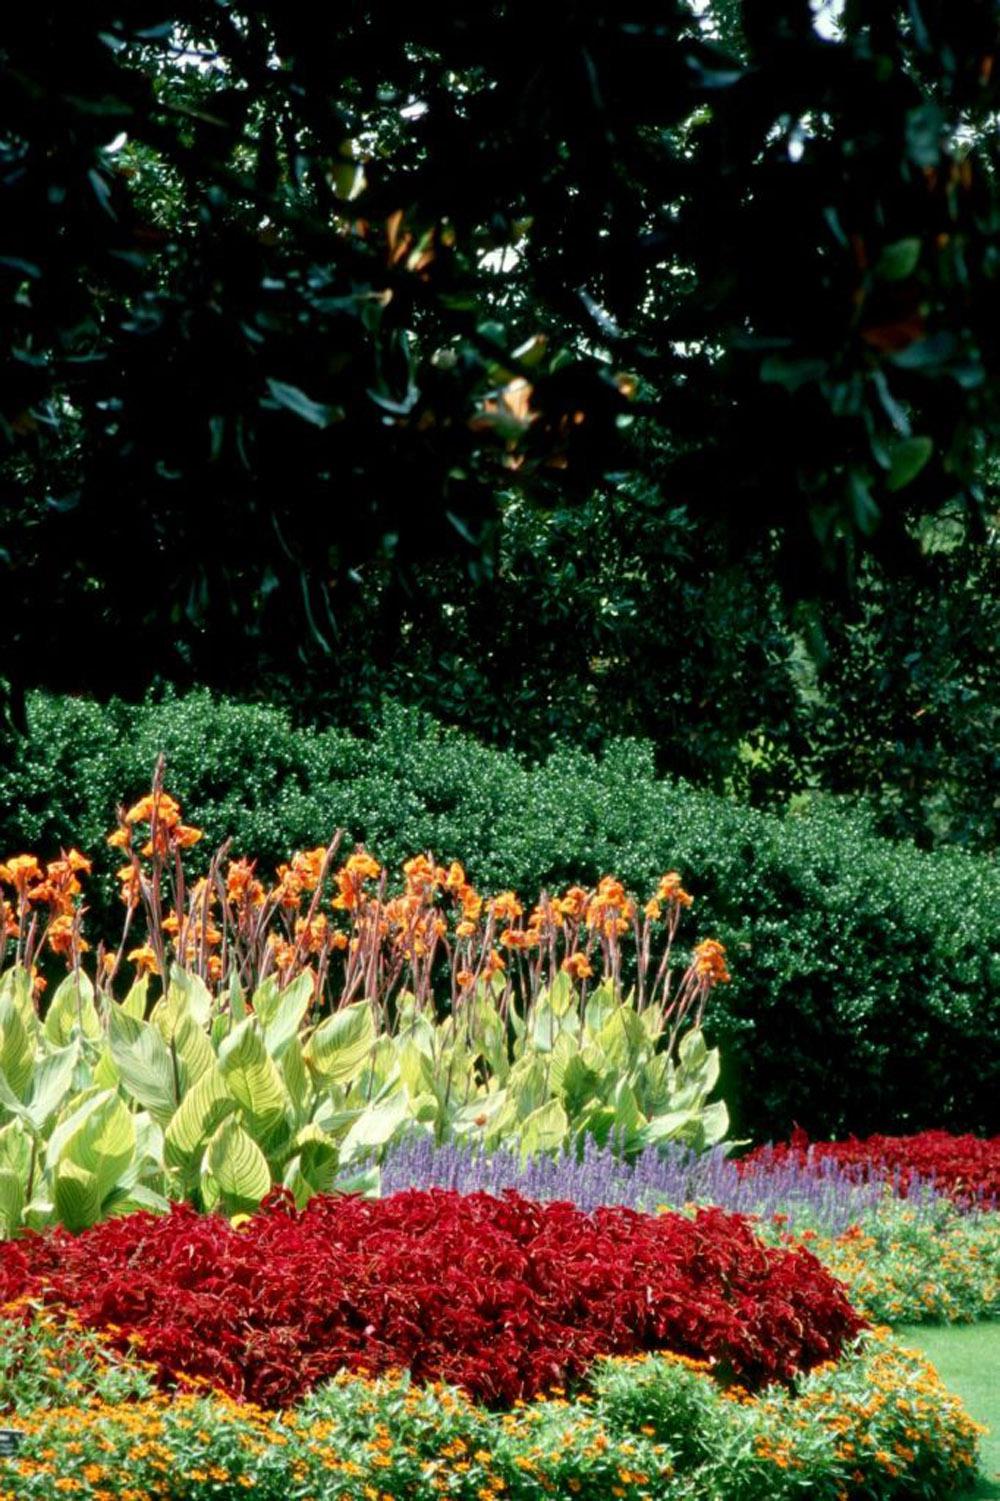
(865, 971)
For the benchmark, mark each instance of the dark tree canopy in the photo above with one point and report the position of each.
(291, 293)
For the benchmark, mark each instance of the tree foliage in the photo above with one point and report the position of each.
(290, 295)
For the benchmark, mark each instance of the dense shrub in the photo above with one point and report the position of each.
(862, 968)
(502, 1296)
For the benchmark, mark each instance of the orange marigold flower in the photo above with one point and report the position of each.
(578, 966)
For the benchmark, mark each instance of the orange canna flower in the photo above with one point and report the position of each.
(284, 953)
(144, 960)
(130, 889)
(455, 879)
(472, 904)
(709, 962)
(312, 936)
(160, 805)
(241, 884)
(308, 866)
(364, 866)
(671, 890)
(464, 979)
(506, 907)
(652, 909)
(465, 929)
(20, 872)
(512, 938)
(574, 903)
(577, 966)
(185, 835)
(120, 839)
(60, 936)
(422, 877)
(495, 963)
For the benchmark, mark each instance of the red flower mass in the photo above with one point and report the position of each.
(502, 1296)
(967, 1168)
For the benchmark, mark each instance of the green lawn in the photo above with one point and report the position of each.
(968, 1360)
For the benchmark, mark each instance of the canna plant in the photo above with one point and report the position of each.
(285, 1036)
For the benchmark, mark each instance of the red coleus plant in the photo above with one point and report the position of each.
(503, 1296)
(967, 1168)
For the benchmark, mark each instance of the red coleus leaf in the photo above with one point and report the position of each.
(967, 1168)
(503, 1296)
